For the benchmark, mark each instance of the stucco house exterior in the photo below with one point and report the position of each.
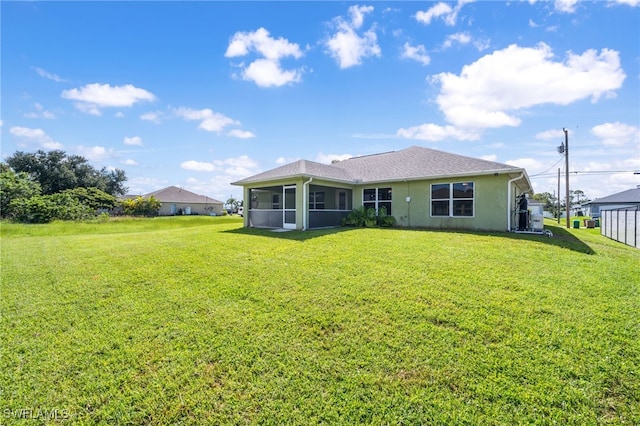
(628, 198)
(178, 201)
(420, 187)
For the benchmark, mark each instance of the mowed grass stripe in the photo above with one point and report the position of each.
(195, 320)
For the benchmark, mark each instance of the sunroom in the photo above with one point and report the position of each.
(297, 205)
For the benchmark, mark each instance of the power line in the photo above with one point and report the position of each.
(583, 173)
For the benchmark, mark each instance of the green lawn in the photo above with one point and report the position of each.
(194, 320)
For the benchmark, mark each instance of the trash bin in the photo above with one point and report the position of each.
(598, 223)
(576, 224)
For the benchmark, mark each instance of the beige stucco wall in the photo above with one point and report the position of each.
(196, 208)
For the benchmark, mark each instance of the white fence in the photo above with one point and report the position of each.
(621, 225)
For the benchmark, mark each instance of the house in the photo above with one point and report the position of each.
(628, 198)
(178, 201)
(420, 187)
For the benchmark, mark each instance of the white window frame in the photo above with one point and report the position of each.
(451, 199)
(377, 200)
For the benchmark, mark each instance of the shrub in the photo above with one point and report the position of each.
(368, 218)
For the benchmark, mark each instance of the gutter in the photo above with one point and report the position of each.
(509, 200)
(305, 204)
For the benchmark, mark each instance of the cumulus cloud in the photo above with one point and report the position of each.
(266, 71)
(488, 92)
(37, 136)
(442, 10)
(459, 38)
(417, 53)
(241, 134)
(153, 116)
(434, 133)
(197, 166)
(134, 140)
(92, 97)
(616, 134)
(551, 134)
(330, 158)
(565, 6)
(348, 47)
(129, 162)
(95, 153)
(48, 75)
(210, 121)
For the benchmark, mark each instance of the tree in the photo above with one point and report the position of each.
(14, 186)
(141, 206)
(56, 171)
(232, 203)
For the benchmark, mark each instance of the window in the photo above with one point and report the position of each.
(376, 198)
(316, 201)
(452, 199)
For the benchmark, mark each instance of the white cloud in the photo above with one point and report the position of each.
(551, 134)
(40, 112)
(436, 11)
(616, 134)
(95, 153)
(209, 120)
(632, 3)
(119, 114)
(346, 46)
(242, 134)
(417, 53)
(129, 162)
(134, 140)
(565, 6)
(434, 133)
(92, 97)
(48, 75)
(330, 158)
(530, 164)
(242, 161)
(448, 14)
(153, 116)
(266, 71)
(198, 166)
(488, 92)
(460, 38)
(35, 135)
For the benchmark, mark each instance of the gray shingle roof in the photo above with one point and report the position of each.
(628, 196)
(173, 194)
(408, 164)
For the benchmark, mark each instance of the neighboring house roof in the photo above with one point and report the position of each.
(626, 197)
(412, 163)
(173, 194)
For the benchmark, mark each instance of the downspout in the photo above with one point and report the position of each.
(509, 200)
(305, 204)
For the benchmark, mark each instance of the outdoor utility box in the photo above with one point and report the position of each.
(537, 222)
(536, 214)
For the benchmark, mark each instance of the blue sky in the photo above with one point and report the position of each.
(201, 94)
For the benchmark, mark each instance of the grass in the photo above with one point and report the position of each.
(195, 320)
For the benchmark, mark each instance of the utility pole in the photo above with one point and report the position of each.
(566, 171)
(558, 195)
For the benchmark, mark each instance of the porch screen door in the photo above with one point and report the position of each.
(289, 211)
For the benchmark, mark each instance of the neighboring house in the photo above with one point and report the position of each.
(178, 201)
(420, 187)
(628, 198)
